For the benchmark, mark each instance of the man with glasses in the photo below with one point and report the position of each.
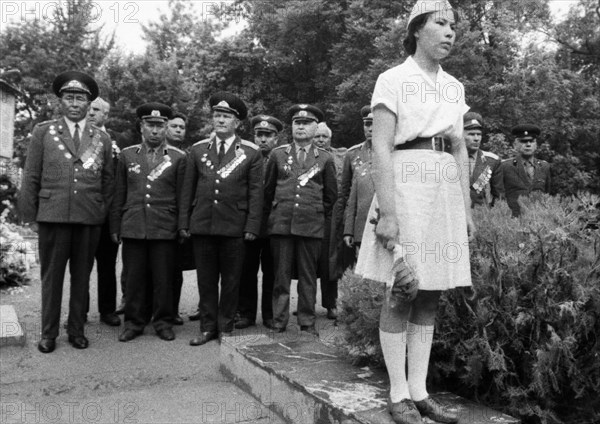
(300, 190)
(524, 173)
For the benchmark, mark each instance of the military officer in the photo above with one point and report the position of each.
(222, 207)
(328, 270)
(106, 252)
(484, 167)
(176, 128)
(300, 190)
(359, 203)
(66, 190)
(144, 216)
(356, 158)
(524, 173)
(258, 252)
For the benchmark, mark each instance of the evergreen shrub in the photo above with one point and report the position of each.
(526, 338)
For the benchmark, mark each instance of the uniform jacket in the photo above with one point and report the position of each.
(63, 185)
(359, 202)
(356, 156)
(299, 198)
(486, 179)
(225, 200)
(146, 199)
(516, 182)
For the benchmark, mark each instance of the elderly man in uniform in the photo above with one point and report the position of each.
(300, 191)
(222, 207)
(328, 270)
(66, 190)
(106, 252)
(484, 167)
(358, 159)
(176, 127)
(145, 217)
(524, 173)
(258, 252)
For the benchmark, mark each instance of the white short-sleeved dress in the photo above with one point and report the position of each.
(429, 199)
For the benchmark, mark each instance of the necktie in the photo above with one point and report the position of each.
(530, 170)
(302, 157)
(76, 139)
(221, 151)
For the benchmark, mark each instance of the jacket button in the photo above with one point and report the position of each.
(148, 186)
(296, 205)
(297, 195)
(216, 191)
(147, 205)
(297, 186)
(216, 201)
(217, 181)
(75, 180)
(75, 191)
(147, 195)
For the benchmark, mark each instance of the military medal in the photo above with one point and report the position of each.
(134, 167)
(160, 168)
(208, 162)
(203, 159)
(68, 155)
(61, 147)
(92, 154)
(303, 179)
(289, 161)
(228, 168)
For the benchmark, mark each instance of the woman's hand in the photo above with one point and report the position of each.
(387, 231)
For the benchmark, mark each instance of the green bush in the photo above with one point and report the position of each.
(525, 338)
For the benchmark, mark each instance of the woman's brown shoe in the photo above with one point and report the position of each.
(404, 412)
(431, 408)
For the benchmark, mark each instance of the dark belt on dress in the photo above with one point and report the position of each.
(439, 144)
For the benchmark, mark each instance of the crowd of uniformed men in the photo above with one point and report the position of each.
(226, 207)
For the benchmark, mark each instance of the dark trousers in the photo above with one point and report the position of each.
(258, 253)
(150, 269)
(106, 260)
(327, 260)
(223, 257)
(59, 244)
(185, 261)
(305, 253)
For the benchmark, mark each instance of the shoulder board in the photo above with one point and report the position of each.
(131, 147)
(490, 155)
(206, 140)
(99, 129)
(356, 146)
(283, 146)
(51, 121)
(249, 144)
(323, 150)
(175, 148)
(508, 160)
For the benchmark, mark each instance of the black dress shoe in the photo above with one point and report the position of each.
(47, 345)
(195, 316)
(332, 313)
(111, 319)
(404, 412)
(166, 334)
(204, 337)
(129, 334)
(268, 323)
(243, 322)
(431, 408)
(79, 342)
(177, 320)
(310, 329)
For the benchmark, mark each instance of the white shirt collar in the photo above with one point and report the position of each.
(228, 142)
(415, 69)
(71, 126)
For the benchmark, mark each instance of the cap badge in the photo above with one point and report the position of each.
(264, 124)
(525, 133)
(74, 84)
(155, 113)
(223, 103)
(302, 113)
(303, 106)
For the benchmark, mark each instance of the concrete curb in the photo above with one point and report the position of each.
(11, 331)
(304, 380)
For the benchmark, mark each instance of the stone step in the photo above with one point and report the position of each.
(11, 332)
(306, 381)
